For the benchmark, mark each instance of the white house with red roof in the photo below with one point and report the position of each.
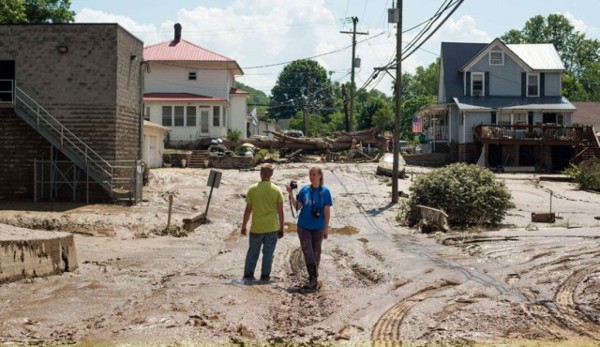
(191, 90)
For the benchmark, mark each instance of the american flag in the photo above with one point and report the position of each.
(417, 124)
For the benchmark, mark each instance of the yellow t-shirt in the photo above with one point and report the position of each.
(263, 197)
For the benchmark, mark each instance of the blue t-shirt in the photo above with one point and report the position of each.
(313, 199)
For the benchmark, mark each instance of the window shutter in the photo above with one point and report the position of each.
(487, 83)
(493, 120)
(523, 84)
(542, 84)
(468, 87)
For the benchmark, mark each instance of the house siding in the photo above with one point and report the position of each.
(93, 89)
(504, 80)
(210, 81)
(553, 84)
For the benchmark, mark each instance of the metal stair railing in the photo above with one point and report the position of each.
(85, 154)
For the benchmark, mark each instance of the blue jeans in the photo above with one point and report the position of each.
(268, 241)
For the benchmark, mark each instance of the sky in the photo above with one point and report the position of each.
(264, 35)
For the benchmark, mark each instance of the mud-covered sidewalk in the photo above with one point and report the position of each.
(137, 283)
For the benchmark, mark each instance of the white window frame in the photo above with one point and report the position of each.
(482, 74)
(537, 75)
(496, 62)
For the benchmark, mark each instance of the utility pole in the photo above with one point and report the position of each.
(398, 120)
(306, 104)
(349, 125)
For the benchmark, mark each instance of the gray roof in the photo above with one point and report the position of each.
(454, 56)
(539, 56)
(547, 103)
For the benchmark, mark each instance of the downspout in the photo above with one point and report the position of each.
(139, 160)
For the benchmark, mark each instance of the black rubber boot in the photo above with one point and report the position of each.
(313, 276)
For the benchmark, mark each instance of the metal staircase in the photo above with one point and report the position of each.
(82, 155)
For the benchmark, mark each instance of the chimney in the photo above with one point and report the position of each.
(177, 32)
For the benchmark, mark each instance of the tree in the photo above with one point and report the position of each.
(257, 97)
(302, 85)
(36, 11)
(369, 104)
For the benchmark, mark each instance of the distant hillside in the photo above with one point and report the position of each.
(256, 96)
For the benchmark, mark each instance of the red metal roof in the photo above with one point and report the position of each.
(183, 50)
(179, 97)
(237, 91)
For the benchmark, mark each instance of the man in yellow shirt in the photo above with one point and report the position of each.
(264, 201)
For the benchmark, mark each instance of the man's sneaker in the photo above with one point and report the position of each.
(265, 278)
(248, 279)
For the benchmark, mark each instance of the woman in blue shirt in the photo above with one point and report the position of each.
(314, 202)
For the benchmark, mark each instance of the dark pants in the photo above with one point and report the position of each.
(268, 241)
(310, 242)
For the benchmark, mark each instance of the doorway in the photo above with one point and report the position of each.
(7, 81)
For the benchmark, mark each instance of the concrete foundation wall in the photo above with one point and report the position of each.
(27, 253)
(231, 162)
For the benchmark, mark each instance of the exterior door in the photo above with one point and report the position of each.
(7, 80)
(204, 118)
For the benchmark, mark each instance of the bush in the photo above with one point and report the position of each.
(233, 135)
(587, 175)
(469, 194)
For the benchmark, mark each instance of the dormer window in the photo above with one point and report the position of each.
(477, 83)
(496, 58)
(192, 75)
(533, 84)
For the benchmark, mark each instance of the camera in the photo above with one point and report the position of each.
(316, 212)
(293, 184)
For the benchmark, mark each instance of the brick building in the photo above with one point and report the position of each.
(70, 120)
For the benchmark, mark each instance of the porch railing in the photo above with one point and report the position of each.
(438, 132)
(538, 132)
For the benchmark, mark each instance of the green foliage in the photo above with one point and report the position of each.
(302, 85)
(36, 11)
(587, 174)
(469, 194)
(257, 97)
(233, 135)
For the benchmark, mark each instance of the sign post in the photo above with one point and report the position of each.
(214, 180)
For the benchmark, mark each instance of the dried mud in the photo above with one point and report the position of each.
(140, 282)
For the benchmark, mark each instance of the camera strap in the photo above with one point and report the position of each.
(292, 207)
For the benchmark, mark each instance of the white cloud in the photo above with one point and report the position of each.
(581, 26)
(265, 32)
(145, 32)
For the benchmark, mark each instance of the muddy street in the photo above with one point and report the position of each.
(380, 281)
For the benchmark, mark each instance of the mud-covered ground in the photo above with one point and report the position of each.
(526, 284)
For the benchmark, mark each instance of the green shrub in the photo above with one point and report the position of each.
(233, 135)
(587, 174)
(469, 194)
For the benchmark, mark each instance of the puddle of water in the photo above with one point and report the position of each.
(347, 230)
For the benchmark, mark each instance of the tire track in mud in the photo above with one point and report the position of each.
(412, 244)
(561, 318)
(387, 327)
(565, 299)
